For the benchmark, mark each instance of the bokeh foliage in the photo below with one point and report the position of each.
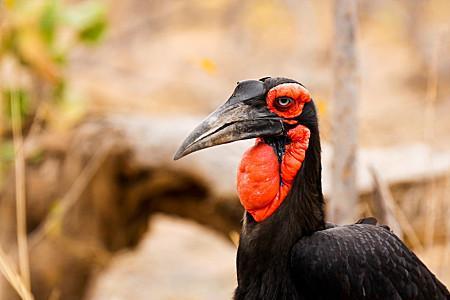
(37, 38)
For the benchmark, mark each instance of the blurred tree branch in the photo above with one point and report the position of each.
(343, 201)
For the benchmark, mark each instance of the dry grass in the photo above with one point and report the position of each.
(20, 282)
(436, 198)
(72, 196)
(21, 215)
(429, 133)
(398, 217)
(16, 281)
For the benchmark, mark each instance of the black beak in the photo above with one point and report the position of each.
(232, 122)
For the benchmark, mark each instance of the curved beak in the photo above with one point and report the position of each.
(229, 123)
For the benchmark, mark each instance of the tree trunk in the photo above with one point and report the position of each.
(344, 197)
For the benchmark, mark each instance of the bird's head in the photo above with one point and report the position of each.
(276, 111)
(263, 108)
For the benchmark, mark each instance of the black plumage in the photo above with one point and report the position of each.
(360, 261)
(294, 254)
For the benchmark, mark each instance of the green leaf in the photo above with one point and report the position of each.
(20, 95)
(93, 33)
(6, 158)
(8, 42)
(6, 152)
(36, 157)
(59, 92)
(49, 20)
(89, 19)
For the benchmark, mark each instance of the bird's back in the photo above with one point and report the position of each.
(361, 261)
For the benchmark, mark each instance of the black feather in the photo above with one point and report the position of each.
(294, 254)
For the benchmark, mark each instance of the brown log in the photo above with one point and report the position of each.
(95, 199)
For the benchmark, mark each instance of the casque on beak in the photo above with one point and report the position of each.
(243, 116)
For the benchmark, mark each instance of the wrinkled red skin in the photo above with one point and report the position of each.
(259, 187)
(263, 182)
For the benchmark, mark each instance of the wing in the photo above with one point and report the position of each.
(361, 261)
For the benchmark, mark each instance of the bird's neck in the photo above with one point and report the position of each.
(298, 182)
(265, 246)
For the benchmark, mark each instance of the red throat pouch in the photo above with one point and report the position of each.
(263, 182)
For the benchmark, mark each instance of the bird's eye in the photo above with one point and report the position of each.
(283, 103)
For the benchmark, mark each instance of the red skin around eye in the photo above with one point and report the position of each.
(259, 179)
(295, 91)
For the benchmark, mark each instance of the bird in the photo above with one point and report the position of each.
(286, 248)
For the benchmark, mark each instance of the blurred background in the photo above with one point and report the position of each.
(95, 97)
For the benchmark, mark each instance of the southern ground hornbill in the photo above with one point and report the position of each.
(286, 250)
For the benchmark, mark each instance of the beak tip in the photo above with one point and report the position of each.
(182, 152)
(179, 154)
